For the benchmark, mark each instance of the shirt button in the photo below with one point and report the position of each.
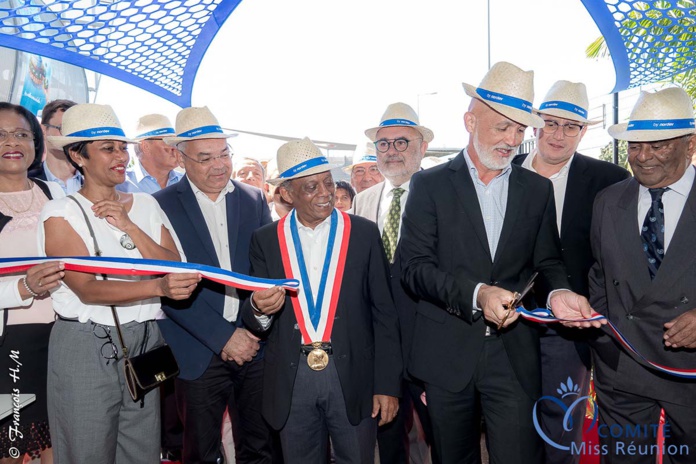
(629, 317)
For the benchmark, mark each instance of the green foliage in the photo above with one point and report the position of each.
(607, 153)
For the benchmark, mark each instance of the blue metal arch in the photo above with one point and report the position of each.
(649, 40)
(156, 45)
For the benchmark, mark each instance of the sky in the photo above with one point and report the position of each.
(327, 69)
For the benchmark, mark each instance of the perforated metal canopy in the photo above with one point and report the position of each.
(649, 41)
(156, 45)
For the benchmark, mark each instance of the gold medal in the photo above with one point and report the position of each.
(317, 359)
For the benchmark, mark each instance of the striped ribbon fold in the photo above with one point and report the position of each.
(145, 267)
(545, 316)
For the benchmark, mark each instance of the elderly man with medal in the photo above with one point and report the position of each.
(333, 360)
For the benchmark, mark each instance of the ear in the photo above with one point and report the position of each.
(470, 122)
(286, 195)
(77, 157)
(180, 159)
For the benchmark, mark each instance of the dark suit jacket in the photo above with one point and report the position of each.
(365, 337)
(621, 289)
(586, 178)
(38, 172)
(196, 329)
(446, 254)
(366, 204)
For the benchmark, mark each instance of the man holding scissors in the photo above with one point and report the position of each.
(474, 231)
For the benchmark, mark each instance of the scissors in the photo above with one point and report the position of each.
(517, 300)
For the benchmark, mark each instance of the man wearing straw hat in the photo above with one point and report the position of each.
(155, 168)
(364, 172)
(220, 369)
(333, 361)
(576, 179)
(643, 281)
(400, 142)
(474, 232)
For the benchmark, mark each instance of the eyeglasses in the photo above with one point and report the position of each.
(361, 171)
(569, 129)
(19, 135)
(108, 350)
(51, 126)
(207, 160)
(400, 144)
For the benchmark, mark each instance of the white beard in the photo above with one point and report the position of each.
(488, 157)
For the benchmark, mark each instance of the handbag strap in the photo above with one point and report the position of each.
(97, 252)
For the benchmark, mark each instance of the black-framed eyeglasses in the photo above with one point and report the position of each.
(569, 129)
(400, 144)
(51, 126)
(108, 350)
(18, 135)
(207, 160)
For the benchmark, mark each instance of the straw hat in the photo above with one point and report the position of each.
(362, 156)
(400, 115)
(509, 91)
(567, 100)
(153, 126)
(197, 123)
(89, 122)
(657, 116)
(299, 158)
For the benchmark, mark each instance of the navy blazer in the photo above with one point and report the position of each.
(196, 329)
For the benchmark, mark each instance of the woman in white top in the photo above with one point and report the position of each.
(92, 416)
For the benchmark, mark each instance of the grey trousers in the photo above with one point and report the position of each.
(92, 417)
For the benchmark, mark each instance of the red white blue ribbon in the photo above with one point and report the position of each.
(144, 267)
(315, 318)
(545, 316)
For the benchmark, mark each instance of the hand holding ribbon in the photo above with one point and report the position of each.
(573, 310)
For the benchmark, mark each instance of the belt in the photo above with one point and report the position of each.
(325, 346)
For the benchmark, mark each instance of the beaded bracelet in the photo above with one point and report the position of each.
(31, 292)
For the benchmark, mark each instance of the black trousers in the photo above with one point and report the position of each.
(628, 428)
(202, 403)
(393, 438)
(495, 392)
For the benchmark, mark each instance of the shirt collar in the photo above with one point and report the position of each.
(140, 173)
(323, 224)
(682, 186)
(51, 177)
(229, 188)
(529, 160)
(474, 172)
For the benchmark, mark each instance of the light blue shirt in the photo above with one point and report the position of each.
(493, 202)
(139, 180)
(71, 186)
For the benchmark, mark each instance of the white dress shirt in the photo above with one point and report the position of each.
(215, 215)
(673, 201)
(559, 181)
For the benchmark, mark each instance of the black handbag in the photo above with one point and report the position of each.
(147, 370)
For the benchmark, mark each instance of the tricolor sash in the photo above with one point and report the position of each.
(143, 267)
(544, 316)
(315, 312)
